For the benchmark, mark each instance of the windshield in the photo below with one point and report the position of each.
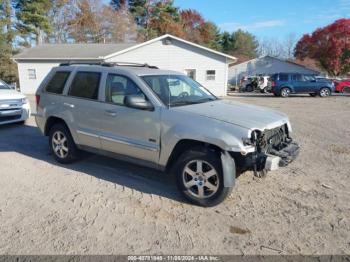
(3, 85)
(178, 90)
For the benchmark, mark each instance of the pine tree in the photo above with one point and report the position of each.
(32, 19)
(8, 69)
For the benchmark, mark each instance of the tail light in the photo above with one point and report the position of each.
(37, 100)
(273, 83)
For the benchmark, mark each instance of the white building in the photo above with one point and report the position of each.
(208, 67)
(266, 65)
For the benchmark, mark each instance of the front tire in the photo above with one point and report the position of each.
(345, 89)
(200, 178)
(62, 145)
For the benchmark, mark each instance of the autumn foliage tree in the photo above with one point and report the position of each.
(329, 46)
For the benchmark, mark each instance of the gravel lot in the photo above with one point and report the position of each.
(103, 206)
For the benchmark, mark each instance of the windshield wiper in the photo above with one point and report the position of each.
(203, 100)
(181, 103)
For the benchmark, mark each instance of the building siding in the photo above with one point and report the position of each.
(180, 56)
(177, 56)
(29, 86)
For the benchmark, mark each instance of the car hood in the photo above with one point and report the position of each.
(244, 115)
(6, 94)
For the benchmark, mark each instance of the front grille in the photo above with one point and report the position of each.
(10, 102)
(273, 139)
(9, 118)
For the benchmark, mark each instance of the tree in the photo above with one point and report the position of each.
(271, 47)
(117, 4)
(32, 19)
(86, 26)
(121, 26)
(193, 25)
(165, 18)
(289, 45)
(8, 69)
(329, 46)
(60, 14)
(226, 42)
(244, 43)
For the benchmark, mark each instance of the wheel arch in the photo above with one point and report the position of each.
(51, 121)
(186, 144)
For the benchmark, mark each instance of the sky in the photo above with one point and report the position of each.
(270, 18)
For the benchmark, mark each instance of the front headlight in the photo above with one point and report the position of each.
(24, 100)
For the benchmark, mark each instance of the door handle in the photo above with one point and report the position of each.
(69, 105)
(111, 113)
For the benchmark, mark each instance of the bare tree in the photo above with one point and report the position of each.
(289, 45)
(120, 25)
(270, 47)
(277, 48)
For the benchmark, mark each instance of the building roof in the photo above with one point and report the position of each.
(279, 59)
(71, 51)
(97, 51)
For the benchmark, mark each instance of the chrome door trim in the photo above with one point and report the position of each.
(119, 141)
(149, 148)
(87, 134)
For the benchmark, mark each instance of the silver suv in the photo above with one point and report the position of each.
(164, 120)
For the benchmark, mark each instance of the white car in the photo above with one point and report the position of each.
(14, 106)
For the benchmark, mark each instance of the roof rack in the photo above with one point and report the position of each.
(110, 64)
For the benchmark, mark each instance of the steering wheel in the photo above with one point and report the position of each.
(183, 94)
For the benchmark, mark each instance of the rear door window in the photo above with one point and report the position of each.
(297, 77)
(283, 77)
(85, 85)
(57, 82)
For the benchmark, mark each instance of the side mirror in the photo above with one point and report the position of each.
(138, 102)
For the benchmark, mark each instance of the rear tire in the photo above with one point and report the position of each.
(249, 88)
(285, 92)
(62, 145)
(324, 92)
(200, 178)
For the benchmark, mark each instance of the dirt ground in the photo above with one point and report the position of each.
(103, 206)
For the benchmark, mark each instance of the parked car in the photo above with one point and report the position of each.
(284, 84)
(14, 106)
(342, 86)
(164, 120)
(255, 83)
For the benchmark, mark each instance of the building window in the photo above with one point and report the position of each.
(210, 74)
(31, 74)
(191, 73)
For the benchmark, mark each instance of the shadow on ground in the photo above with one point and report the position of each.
(27, 140)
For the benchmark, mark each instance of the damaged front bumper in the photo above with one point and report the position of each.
(267, 161)
(287, 154)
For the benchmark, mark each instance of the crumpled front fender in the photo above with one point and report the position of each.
(228, 169)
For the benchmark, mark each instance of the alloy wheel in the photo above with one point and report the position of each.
(200, 179)
(324, 92)
(60, 144)
(285, 92)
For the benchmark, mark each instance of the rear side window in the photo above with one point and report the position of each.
(57, 82)
(85, 85)
(297, 77)
(283, 77)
